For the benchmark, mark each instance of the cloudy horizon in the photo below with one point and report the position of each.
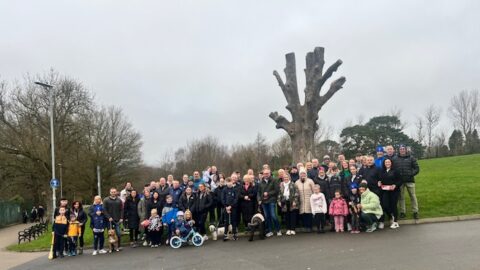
(184, 70)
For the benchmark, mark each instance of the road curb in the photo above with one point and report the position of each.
(439, 219)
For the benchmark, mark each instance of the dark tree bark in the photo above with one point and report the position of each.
(303, 125)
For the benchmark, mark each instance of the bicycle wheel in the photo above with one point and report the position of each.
(197, 240)
(175, 242)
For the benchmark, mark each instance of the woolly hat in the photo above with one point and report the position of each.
(353, 185)
(379, 148)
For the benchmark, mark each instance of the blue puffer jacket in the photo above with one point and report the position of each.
(99, 222)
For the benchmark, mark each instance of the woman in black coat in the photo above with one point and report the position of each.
(247, 199)
(187, 200)
(154, 202)
(203, 203)
(77, 210)
(130, 213)
(390, 182)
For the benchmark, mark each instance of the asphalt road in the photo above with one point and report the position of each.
(452, 245)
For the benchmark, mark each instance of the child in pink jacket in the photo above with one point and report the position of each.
(339, 210)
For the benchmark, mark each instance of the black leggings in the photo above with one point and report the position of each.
(133, 233)
(319, 221)
(247, 208)
(289, 218)
(389, 203)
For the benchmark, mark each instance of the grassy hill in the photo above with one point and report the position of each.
(448, 186)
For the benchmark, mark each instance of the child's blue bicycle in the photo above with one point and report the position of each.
(192, 237)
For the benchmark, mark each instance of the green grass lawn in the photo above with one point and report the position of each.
(445, 187)
(448, 186)
(43, 242)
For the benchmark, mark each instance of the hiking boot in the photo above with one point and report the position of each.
(415, 215)
(402, 215)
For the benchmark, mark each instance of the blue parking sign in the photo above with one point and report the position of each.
(54, 183)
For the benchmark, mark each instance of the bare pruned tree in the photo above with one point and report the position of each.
(432, 118)
(420, 130)
(303, 126)
(465, 111)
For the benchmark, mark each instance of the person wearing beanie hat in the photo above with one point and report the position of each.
(408, 167)
(98, 223)
(294, 175)
(380, 157)
(354, 217)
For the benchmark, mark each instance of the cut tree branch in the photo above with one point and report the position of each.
(334, 87)
(289, 88)
(321, 81)
(313, 72)
(282, 122)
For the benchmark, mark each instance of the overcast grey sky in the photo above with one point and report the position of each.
(186, 69)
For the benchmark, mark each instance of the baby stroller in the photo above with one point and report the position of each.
(192, 237)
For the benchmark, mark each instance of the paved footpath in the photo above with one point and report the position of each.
(8, 259)
(450, 245)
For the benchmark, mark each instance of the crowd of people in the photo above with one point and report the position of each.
(360, 194)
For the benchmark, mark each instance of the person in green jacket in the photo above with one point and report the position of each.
(370, 207)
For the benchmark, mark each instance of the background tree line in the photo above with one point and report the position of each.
(86, 135)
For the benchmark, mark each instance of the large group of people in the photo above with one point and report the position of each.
(360, 194)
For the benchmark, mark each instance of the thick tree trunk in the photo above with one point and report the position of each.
(304, 125)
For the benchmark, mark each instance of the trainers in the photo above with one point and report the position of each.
(288, 232)
(95, 253)
(145, 243)
(205, 238)
(102, 251)
(279, 233)
(415, 215)
(80, 251)
(374, 227)
(402, 215)
(270, 234)
(235, 237)
(381, 225)
(292, 232)
(349, 227)
(225, 238)
(394, 225)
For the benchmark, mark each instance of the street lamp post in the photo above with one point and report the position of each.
(61, 180)
(52, 142)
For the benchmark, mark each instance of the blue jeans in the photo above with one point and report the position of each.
(270, 217)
